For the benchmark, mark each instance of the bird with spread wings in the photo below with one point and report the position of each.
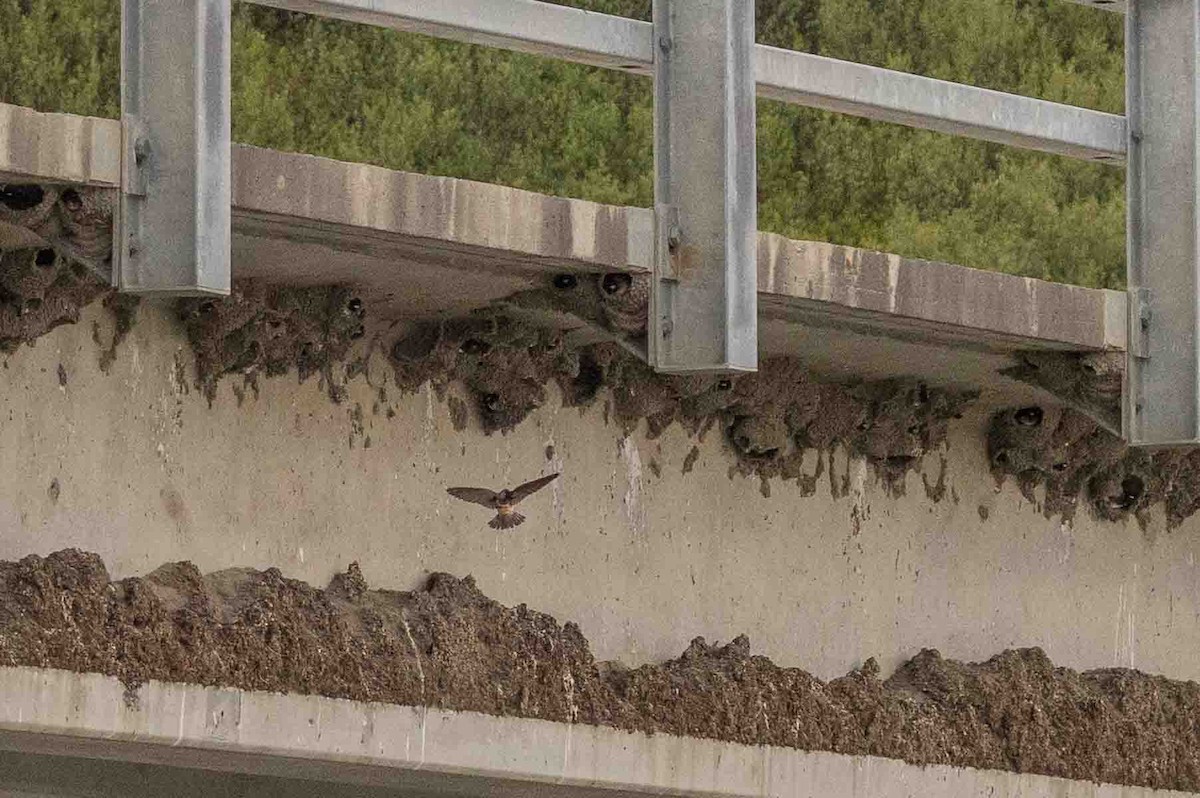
(503, 502)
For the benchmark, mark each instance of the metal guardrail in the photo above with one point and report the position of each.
(701, 54)
(601, 40)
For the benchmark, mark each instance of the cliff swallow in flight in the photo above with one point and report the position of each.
(503, 502)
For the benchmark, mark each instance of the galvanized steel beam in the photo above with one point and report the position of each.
(952, 108)
(1162, 387)
(526, 26)
(174, 219)
(703, 294)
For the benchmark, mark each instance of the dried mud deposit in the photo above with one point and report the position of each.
(46, 285)
(1071, 456)
(770, 419)
(41, 290)
(262, 329)
(448, 645)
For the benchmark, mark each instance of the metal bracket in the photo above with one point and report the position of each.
(1139, 323)
(1138, 350)
(668, 236)
(135, 151)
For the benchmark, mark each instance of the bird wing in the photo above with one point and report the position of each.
(477, 495)
(533, 486)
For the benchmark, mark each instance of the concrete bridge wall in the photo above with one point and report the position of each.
(645, 542)
(135, 465)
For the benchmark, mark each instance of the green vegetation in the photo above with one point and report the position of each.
(408, 102)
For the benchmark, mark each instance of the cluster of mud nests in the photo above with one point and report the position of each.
(1071, 456)
(770, 418)
(43, 287)
(269, 330)
(450, 646)
(259, 329)
(75, 221)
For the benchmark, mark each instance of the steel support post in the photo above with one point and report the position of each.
(1162, 52)
(703, 295)
(174, 220)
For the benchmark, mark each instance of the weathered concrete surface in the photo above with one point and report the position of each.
(135, 466)
(58, 148)
(434, 751)
(941, 301)
(422, 245)
(38, 776)
(509, 233)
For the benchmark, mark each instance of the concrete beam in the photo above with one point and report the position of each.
(48, 712)
(475, 226)
(424, 245)
(898, 295)
(58, 148)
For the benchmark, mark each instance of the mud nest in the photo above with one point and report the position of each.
(1072, 457)
(269, 330)
(770, 418)
(505, 365)
(43, 287)
(75, 221)
(448, 645)
(1086, 381)
(39, 291)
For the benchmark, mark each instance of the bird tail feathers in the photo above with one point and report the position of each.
(506, 521)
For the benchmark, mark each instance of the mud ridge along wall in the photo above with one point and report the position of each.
(448, 645)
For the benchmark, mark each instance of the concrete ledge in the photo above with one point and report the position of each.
(941, 295)
(47, 712)
(58, 148)
(429, 245)
(440, 210)
(829, 283)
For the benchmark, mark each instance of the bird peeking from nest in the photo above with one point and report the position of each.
(503, 502)
(625, 302)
